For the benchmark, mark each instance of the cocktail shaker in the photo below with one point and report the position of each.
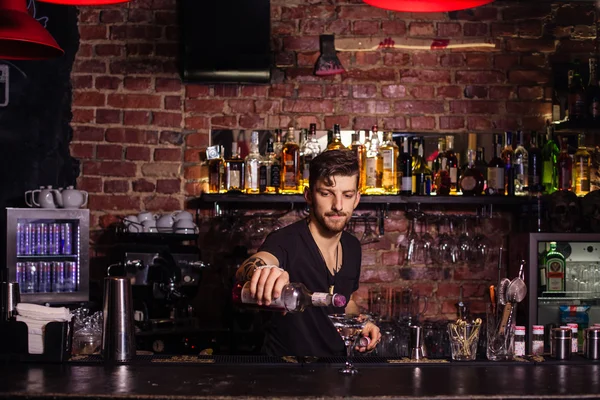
(10, 296)
(591, 343)
(118, 334)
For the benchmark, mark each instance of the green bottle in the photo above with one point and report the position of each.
(549, 156)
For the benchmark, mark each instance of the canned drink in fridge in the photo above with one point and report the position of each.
(66, 238)
(20, 273)
(70, 276)
(54, 239)
(30, 279)
(20, 238)
(58, 276)
(25, 239)
(45, 276)
(41, 238)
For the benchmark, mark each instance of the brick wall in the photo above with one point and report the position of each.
(138, 130)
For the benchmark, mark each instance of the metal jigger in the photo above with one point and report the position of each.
(417, 349)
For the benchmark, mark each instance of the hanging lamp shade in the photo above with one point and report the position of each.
(426, 5)
(85, 2)
(22, 37)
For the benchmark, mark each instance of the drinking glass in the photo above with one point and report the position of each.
(370, 235)
(427, 242)
(464, 337)
(380, 302)
(349, 327)
(445, 248)
(481, 249)
(500, 344)
(464, 243)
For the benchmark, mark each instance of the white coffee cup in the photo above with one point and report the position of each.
(145, 216)
(165, 223)
(150, 226)
(183, 215)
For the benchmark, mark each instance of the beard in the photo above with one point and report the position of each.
(332, 226)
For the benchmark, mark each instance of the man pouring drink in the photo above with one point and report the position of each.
(318, 253)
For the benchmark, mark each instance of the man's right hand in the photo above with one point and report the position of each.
(267, 283)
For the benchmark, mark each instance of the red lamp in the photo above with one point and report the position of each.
(426, 5)
(85, 2)
(22, 37)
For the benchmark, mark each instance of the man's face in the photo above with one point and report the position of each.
(332, 206)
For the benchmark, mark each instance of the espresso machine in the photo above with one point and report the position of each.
(165, 277)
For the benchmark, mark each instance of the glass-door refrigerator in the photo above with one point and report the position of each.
(563, 282)
(48, 254)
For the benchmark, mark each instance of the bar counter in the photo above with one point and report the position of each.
(206, 379)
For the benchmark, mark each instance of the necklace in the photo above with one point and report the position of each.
(336, 267)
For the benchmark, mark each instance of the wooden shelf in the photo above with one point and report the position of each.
(576, 126)
(266, 199)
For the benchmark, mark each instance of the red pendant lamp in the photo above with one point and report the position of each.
(85, 2)
(426, 5)
(21, 36)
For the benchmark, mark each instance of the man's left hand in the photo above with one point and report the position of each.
(372, 332)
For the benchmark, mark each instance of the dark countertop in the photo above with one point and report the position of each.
(145, 380)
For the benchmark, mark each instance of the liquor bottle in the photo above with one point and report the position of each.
(295, 297)
(336, 143)
(593, 92)
(278, 145)
(272, 169)
(441, 177)
(481, 165)
(374, 167)
(521, 166)
(555, 269)
(564, 166)
(452, 164)
(535, 166)
(582, 161)
(311, 150)
(216, 169)
(389, 154)
(361, 155)
(471, 182)
(235, 170)
(242, 144)
(416, 142)
(253, 161)
(508, 156)
(304, 167)
(495, 171)
(557, 110)
(290, 165)
(405, 168)
(576, 95)
(421, 177)
(549, 157)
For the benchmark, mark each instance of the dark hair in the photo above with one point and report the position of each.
(330, 163)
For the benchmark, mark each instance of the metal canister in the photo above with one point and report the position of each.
(560, 343)
(591, 343)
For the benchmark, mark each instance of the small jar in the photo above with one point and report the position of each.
(575, 338)
(520, 340)
(537, 340)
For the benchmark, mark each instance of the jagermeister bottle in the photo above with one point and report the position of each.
(555, 269)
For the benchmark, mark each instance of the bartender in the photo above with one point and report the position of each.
(317, 252)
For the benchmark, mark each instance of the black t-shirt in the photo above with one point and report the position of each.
(309, 333)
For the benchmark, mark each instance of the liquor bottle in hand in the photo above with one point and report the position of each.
(295, 297)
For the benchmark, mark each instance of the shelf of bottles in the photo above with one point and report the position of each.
(523, 166)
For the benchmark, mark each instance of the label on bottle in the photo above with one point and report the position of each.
(453, 175)
(262, 178)
(275, 175)
(289, 180)
(371, 172)
(543, 280)
(468, 183)
(252, 175)
(556, 274)
(495, 179)
(564, 177)
(320, 299)
(248, 299)
(547, 172)
(407, 184)
(388, 159)
(556, 112)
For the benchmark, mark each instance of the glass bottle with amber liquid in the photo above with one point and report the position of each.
(361, 155)
(472, 180)
(495, 170)
(290, 165)
(564, 166)
(216, 169)
(253, 162)
(582, 161)
(235, 170)
(272, 169)
(374, 167)
(441, 176)
(336, 142)
(389, 154)
(508, 156)
(421, 175)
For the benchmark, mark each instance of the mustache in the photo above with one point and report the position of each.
(336, 214)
